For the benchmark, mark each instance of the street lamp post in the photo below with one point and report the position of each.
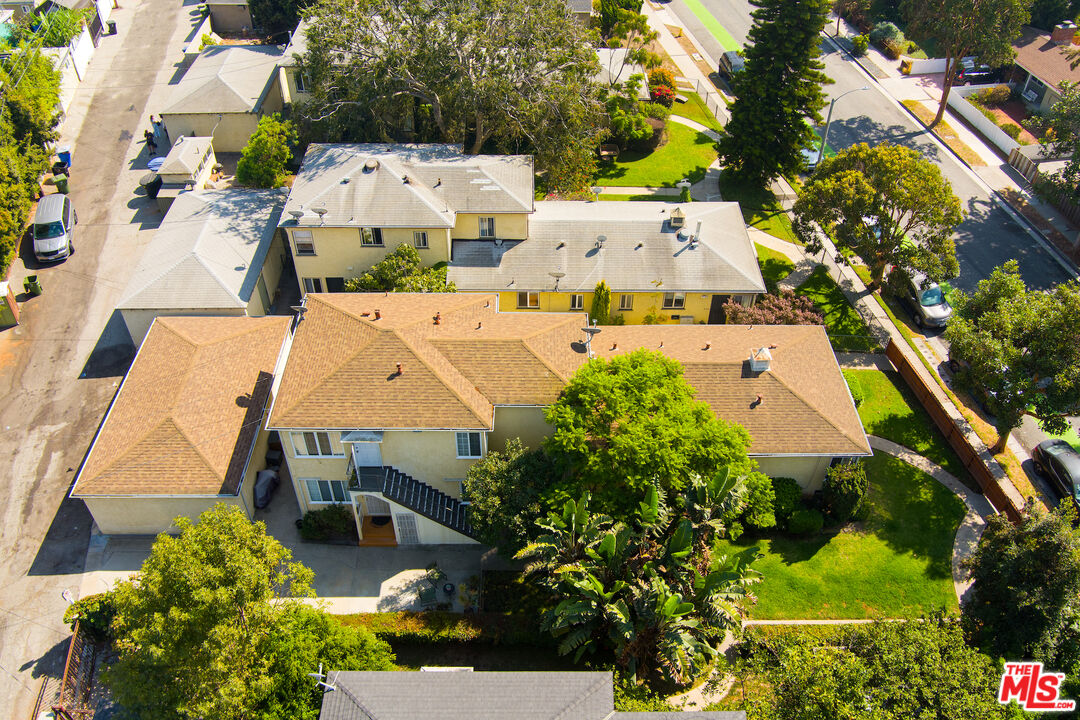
(828, 120)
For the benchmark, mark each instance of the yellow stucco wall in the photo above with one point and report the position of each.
(697, 305)
(526, 423)
(149, 516)
(231, 134)
(326, 468)
(808, 471)
(429, 456)
(510, 226)
(274, 102)
(287, 82)
(271, 274)
(138, 321)
(338, 252)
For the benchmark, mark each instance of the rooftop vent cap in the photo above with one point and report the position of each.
(760, 359)
(371, 165)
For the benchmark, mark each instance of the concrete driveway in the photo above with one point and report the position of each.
(60, 368)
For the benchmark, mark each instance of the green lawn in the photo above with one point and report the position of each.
(686, 154)
(845, 326)
(653, 198)
(890, 410)
(695, 109)
(775, 266)
(760, 208)
(896, 565)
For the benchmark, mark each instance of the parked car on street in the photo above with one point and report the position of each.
(731, 63)
(1058, 461)
(927, 302)
(54, 228)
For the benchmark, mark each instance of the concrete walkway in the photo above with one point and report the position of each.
(864, 361)
(978, 508)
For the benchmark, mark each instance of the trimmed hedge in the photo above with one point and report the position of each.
(436, 628)
(855, 386)
(787, 498)
(334, 522)
(845, 489)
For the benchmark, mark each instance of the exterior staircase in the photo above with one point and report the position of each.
(421, 498)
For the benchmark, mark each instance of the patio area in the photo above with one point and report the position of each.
(348, 578)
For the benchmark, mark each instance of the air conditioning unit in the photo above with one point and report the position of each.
(1030, 96)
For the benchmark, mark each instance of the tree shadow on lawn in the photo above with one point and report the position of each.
(913, 513)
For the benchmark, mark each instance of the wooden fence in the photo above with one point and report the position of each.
(73, 700)
(1059, 199)
(969, 455)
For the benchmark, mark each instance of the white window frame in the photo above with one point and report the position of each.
(305, 238)
(419, 239)
(301, 82)
(467, 436)
(371, 237)
(577, 301)
(487, 227)
(330, 485)
(302, 441)
(626, 301)
(674, 301)
(532, 300)
(312, 285)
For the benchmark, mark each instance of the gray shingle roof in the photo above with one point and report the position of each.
(464, 695)
(208, 251)
(380, 185)
(642, 251)
(224, 79)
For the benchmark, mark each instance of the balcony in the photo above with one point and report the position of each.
(365, 479)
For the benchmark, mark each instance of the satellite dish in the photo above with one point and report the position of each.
(591, 330)
(320, 211)
(557, 275)
(297, 214)
(596, 191)
(600, 240)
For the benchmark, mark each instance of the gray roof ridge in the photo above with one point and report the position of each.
(157, 278)
(528, 206)
(217, 278)
(349, 694)
(599, 685)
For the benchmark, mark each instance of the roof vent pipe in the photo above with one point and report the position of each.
(378, 314)
(401, 371)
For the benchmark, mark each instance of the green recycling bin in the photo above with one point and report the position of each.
(61, 183)
(32, 285)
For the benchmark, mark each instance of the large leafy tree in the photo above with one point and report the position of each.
(631, 422)
(1025, 602)
(648, 591)
(986, 28)
(778, 92)
(505, 490)
(276, 17)
(1020, 349)
(511, 75)
(400, 271)
(888, 204)
(1060, 127)
(263, 159)
(884, 671)
(213, 626)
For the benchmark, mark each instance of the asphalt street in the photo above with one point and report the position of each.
(60, 367)
(988, 237)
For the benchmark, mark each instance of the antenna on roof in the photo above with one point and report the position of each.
(320, 680)
(589, 332)
(596, 191)
(320, 211)
(296, 214)
(558, 276)
(600, 240)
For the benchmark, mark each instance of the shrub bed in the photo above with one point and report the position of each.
(329, 524)
(436, 628)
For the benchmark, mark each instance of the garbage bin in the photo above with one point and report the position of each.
(60, 168)
(61, 183)
(31, 285)
(64, 153)
(112, 26)
(151, 182)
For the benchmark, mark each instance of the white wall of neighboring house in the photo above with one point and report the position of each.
(959, 104)
(82, 49)
(104, 9)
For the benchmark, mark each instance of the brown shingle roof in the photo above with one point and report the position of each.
(189, 409)
(1043, 58)
(341, 369)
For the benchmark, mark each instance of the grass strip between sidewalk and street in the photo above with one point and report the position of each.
(944, 132)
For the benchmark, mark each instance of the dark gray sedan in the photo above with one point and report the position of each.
(1057, 460)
